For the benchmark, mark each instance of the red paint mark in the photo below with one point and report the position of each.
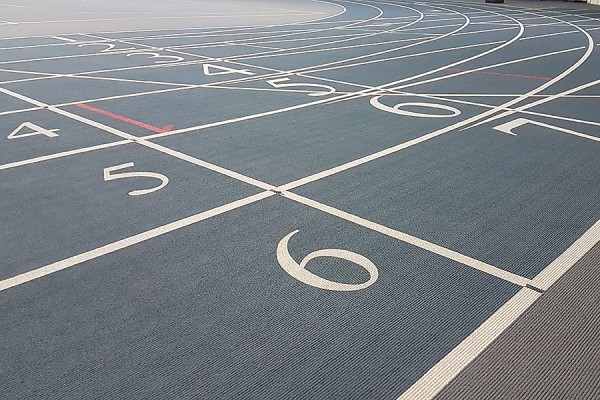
(542, 78)
(151, 128)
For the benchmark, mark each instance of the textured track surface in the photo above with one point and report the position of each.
(305, 199)
(551, 352)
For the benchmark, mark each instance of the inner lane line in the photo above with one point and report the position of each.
(404, 237)
(63, 154)
(543, 78)
(127, 242)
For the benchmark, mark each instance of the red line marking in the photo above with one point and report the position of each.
(125, 119)
(543, 78)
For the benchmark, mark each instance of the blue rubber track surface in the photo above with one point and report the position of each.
(268, 200)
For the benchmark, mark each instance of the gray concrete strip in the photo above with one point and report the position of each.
(551, 352)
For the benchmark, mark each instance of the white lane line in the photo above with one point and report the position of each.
(225, 35)
(557, 268)
(393, 149)
(450, 366)
(108, 78)
(368, 55)
(72, 56)
(487, 31)
(454, 362)
(316, 21)
(172, 17)
(425, 53)
(258, 41)
(23, 110)
(277, 53)
(64, 39)
(417, 19)
(380, 13)
(448, 95)
(538, 102)
(62, 154)
(23, 98)
(187, 33)
(229, 59)
(367, 93)
(564, 74)
(236, 120)
(255, 46)
(127, 242)
(172, 64)
(142, 141)
(549, 35)
(433, 71)
(420, 243)
(292, 51)
(547, 99)
(99, 99)
(140, 67)
(538, 114)
(44, 74)
(270, 38)
(207, 165)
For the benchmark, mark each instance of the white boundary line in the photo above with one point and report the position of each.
(557, 268)
(434, 380)
(420, 243)
(451, 365)
(141, 141)
(127, 242)
(63, 154)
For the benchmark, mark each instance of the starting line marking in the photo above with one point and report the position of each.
(441, 374)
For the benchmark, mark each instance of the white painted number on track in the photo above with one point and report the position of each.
(209, 70)
(398, 109)
(108, 46)
(110, 176)
(509, 126)
(31, 129)
(168, 59)
(298, 271)
(325, 89)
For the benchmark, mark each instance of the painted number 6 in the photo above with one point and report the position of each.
(298, 271)
(401, 110)
(109, 176)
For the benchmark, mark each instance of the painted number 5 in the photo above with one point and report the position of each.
(110, 176)
(324, 90)
(299, 271)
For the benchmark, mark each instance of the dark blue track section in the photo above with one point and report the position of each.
(453, 146)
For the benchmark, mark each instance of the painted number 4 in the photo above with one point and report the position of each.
(109, 175)
(27, 129)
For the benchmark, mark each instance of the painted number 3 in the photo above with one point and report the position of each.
(109, 175)
(298, 271)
